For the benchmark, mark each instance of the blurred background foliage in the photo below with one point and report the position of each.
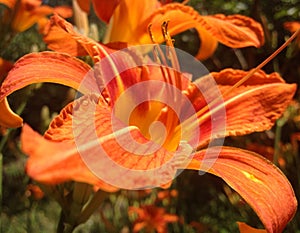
(203, 203)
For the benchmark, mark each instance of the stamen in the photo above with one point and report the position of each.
(166, 35)
(171, 53)
(151, 34)
(160, 59)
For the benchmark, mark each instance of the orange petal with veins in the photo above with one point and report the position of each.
(260, 183)
(235, 31)
(58, 166)
(252, 107)
(57, 36)
(60, 36)
(47, 67)
(100, 142)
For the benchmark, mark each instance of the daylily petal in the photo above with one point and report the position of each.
(57, 37)
(58, 166)
(48, 67)
(25, 19)
(104, 9)
(262, 100)
(235, 31)
(232, 76)
(244, 228)
(130, 21)
(8, 118)
(100, 148)
(262, 185)
(60, 36)
(63, 11)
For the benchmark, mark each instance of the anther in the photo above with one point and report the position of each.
(165, 33)
(151, 34)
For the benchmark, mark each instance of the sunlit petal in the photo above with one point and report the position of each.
(62, 164)
(130, 21)
(262, 185)
(101, 150)
(60, 36)
(252, 107)
(235, 31)
(47, 67)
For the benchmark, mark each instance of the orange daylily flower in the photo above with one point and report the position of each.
(130, 20)
(151, 218)
(23, 14)
(252, 106)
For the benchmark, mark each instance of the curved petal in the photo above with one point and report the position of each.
(102, 143)
(28, 13)
(59, 39)
(252, 107)
(57, 166)
(235, 31)
(60, 36)
(232, 76)
(104, 9)
(63, 11)
(8, 118)
(48, 67)
(262, 185)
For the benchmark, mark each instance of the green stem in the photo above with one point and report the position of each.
(62, 226)
(93, 204)
(276, 144)
(279, 124)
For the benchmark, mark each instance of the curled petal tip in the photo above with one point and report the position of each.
(8, 118)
